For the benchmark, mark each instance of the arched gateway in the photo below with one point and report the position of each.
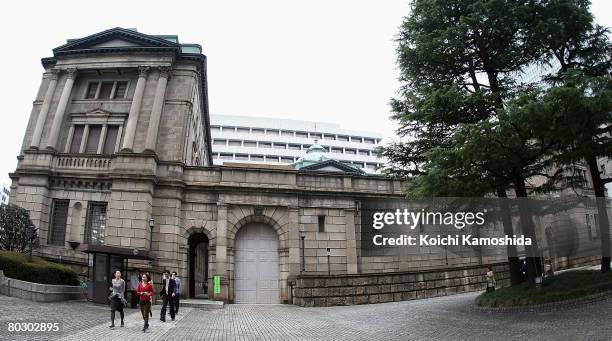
(257, 271)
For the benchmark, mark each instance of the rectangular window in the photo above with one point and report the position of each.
(242, 130)
(370, 141)
(235, 143)
(295, 147)
(92, 89)
(112, 133)
(316, 136)
(321, 223)
(343, 138)
(350, 151)
(59, 216)
(219, 142)
(77, 136)
(257, 158)
(257, 131)
(287, 133)
(271, 158)
(242, 157)
(120, 90)
(106, 90)
(280, 146)
(301, 134)
(285, 159)
(93, 138)
(364, 152)
(96, 223)
(265, 144)
(272, 132)
(225, 156)
(356, 139)
(329, 137)
(252, 144)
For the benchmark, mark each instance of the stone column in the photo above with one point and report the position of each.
(58, 118)
(44, 110)
(294, 242)
(130, 129)
(102, 139)
(156, 111)
(69, 140)
(221, 259)
(351, 241)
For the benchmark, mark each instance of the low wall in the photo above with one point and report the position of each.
(38, 292)
(321, 291)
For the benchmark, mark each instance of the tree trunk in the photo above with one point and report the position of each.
(513, 260)
(604, 221)
(534, 268)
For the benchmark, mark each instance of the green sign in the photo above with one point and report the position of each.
(217, 284)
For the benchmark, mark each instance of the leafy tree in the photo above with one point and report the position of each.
(17, 233)
(459, 62)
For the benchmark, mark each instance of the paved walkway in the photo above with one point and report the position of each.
(443, 318)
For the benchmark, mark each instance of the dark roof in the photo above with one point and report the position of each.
(130, 253)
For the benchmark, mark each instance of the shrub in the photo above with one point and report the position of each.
(16, 265)
(565, 286)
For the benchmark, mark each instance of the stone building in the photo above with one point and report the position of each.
(116, 172)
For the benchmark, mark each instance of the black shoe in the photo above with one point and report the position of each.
(112, 326)
(122, 324)
(162, 320)
(172, 319)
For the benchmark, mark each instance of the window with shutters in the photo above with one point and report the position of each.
(97, 132)
(111, 89)
(59, 217)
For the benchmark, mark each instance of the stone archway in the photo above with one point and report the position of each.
(256, 265)
(281, 232)
(198, 244)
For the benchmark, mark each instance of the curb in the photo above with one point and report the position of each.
(547, 307)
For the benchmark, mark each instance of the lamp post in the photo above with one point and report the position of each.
(328, 263)
(151, 225)
(302, 261)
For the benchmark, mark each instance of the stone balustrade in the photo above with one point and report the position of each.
(82, 162)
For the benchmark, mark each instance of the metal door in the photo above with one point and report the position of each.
(257, 271)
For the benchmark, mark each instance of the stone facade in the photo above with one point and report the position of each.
(153, 192)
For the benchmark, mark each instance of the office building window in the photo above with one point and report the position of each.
(59, 216)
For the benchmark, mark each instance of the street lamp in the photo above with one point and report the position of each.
(302, 260)
(151, 225)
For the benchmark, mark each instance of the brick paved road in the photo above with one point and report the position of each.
(443, 318)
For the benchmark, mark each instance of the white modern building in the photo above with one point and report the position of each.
(248, 139)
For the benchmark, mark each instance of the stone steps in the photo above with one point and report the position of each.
(202, 304)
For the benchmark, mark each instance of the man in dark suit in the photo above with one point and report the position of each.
(167, 292)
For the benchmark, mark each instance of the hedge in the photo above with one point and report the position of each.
(16, 265)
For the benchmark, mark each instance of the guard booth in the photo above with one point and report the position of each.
(102, 262)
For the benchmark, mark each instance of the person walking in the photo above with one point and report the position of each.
(145, 292)
(177, 293)
(117, 299)
(490, 279)
(168, 292)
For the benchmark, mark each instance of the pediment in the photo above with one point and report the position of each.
(332, 166)
(113, 39)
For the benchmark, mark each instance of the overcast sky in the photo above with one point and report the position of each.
(320, 60)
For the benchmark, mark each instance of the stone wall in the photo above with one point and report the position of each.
(38, 292)
(320, 291)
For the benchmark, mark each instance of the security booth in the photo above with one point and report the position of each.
(102, 262)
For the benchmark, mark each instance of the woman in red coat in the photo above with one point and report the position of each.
(145, 292)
